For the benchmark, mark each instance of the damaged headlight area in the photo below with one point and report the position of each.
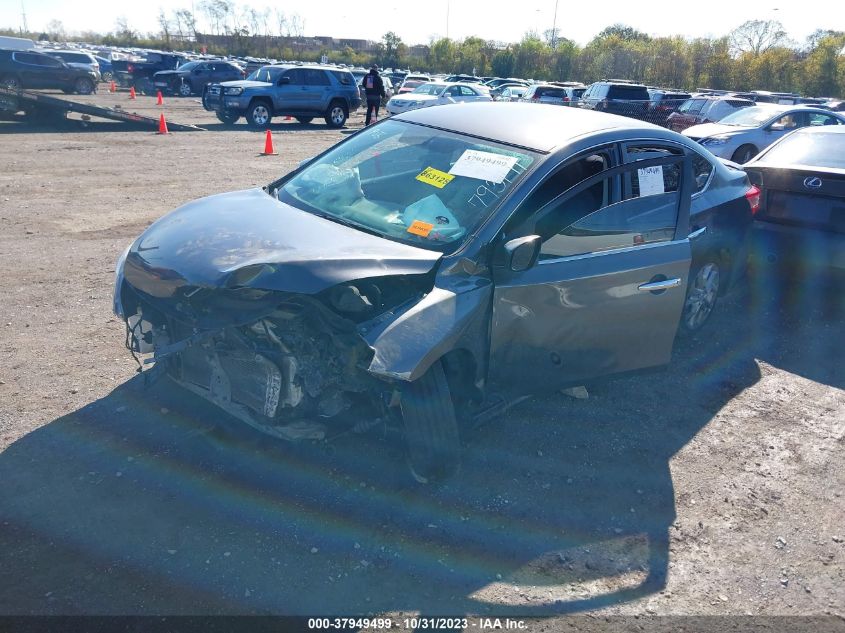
(284, 363)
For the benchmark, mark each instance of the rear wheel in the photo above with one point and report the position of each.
(336, 115)
(431, 430)
(107, 76)
(702, 295)
(10, 82)
(744, 154)
(83, 86)
(305, 119)
(185, 89)
(258, 115)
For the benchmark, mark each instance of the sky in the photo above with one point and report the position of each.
(418, 22)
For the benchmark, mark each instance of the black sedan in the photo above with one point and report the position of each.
(801, 222)
(434, 264)
(193, 77)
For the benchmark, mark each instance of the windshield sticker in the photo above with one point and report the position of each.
(651, 181)
(435, 177)
(418, 227)
(483, 165)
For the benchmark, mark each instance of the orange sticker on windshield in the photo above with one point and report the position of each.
(435, 177)
(418, 227)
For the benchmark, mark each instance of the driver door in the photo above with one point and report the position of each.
(607, 291)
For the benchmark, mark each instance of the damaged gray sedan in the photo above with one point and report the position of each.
(434, 267)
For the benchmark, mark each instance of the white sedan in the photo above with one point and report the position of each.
(437, 93)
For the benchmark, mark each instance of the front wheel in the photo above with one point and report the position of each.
(702, 295)
(431, 430)
(336, 116)
(229, 118)
(744, 154)
(107, 76)
(10, 83)
(259, 115)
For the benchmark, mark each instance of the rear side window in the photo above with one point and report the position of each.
(657, 180)
(557, 93)
(631, 93)
(316, 77)
(345, 79)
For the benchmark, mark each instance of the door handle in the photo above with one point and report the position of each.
(696, 232)
(665, 284)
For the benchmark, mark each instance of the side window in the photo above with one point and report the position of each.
(823, 119)
(316, 77)
(466, 91)
(654, 180)
(454, 91)
(47, 61)
(297, 76)
(701, 171)
(345, 79)
(589, 221)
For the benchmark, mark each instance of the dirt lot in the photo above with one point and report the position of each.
(711, 488)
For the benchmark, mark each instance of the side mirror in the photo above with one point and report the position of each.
(521, 253)
(284, 80)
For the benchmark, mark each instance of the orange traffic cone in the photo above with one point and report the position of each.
(132, 92)
(268, 145)
(159, 100)
(162, 125)
(112, 86)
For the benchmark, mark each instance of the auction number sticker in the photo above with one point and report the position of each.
(435, 177)
(651, 181)
(483, 165)
(418, 227)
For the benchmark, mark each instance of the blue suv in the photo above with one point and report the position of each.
(303, 92)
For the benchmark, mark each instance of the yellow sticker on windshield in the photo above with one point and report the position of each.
(435, 177)
(418, 227)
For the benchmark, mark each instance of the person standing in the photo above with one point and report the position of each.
(374, 89)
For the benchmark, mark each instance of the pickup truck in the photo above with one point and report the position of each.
(303, 92)
(139, 74)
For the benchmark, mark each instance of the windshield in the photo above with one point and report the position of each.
(430, 89)
(189, 66)
(409, 183)
(815, 149)
(267, 74)
(750, 117)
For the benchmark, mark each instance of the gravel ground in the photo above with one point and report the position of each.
(712, 488)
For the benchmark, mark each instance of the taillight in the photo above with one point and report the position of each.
(565, 99)
(130, 68)
(753, 197)
(535, 96)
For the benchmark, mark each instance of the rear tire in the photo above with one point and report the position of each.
(744, 153)
(336, 115)
(702, 295)
(259, 115)
(185, 89)
(83, 86)
(431, 430)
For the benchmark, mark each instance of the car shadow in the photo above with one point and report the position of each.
(151, 501)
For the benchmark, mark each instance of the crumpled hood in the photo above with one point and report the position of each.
(250, 239)
(706, 130)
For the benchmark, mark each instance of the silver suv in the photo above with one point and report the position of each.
(303, 92)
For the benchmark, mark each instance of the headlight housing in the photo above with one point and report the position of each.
(721, 139)
(233, 91)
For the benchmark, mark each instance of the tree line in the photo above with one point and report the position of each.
(755, 55)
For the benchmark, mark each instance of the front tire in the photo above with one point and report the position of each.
(259, 115)
(229, 118)
(10, 83)
(336, 115)
(702, 295)
(431, 429)
(744, 154)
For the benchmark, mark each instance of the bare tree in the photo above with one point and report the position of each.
(190, 22)
(282, 23)
(757, 36)
(122, 29)
(164, 24)
(56, 30)
(297, 25)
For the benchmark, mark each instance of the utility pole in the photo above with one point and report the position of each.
(554, 29)
(448, 3)
(25, 28)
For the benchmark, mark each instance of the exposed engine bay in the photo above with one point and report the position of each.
(290, 372)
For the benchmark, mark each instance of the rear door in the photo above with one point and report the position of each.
(607, 292)
(318, 89)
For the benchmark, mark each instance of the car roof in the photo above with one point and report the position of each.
(541, 127)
